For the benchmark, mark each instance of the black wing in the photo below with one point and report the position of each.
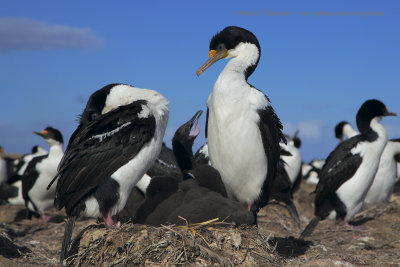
(99, 148)
(29, 178)
(340, 166)
(271, 132)
(206, 131)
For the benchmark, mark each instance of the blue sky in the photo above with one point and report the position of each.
(317, 67)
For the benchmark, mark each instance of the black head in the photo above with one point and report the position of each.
(230, 37)
(297, 142)
(183, 140)
(369, 110)
(96, 104)
(339, 130)
(34, 149)
(51, 133)
(224, 42)
(188, 132)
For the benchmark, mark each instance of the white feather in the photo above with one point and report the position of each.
(129, 174)
(353, 192)
(234, 139)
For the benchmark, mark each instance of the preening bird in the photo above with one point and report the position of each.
(350, 169)
(119, 136)
(243, 131)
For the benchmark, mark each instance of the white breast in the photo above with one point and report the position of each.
(234, 140)
(293, 162)
(353, 192)
(385, 179)
(47, 170)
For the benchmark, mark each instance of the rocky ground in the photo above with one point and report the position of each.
(273, 243)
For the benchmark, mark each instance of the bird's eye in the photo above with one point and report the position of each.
(220, 47)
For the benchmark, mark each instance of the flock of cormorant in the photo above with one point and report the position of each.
(246, 162)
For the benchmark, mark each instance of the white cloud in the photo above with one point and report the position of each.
(311, 130)
(28, 34)
(393, 131)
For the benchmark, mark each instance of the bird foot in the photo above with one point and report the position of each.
(45, 218)
(353, 227)
(109, 222)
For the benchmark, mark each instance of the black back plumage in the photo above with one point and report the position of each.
(271, 132)
(95, 143)
(29, 178)
(340, 166)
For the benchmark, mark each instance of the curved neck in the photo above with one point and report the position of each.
(244, 60)
(183, 155)
(348, 131)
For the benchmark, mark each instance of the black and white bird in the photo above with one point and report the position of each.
(344, 129)
(350, 169)
(119, 136)
(310, 171)
(39, 173)
(20, 167)
(242, 129)
(387, 174)
(293, 161)
(200, 197)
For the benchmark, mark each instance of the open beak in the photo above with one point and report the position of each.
(195, 124)
(214, 57)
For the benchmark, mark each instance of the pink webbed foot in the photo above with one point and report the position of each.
(354, 227)
(45, 218)
(109, 222)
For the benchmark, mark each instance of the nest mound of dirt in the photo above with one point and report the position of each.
(205, 244)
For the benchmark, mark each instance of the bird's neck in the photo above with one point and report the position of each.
(243, 63)
(348, 131)
(56, 149)
(374, 130)
(183, 155)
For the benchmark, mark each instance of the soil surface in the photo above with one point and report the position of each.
(373, 242)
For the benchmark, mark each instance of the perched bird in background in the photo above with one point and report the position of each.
(350, 169)
(243, 132)
(39, 173)
(118, 138)
(310, 171)
(386, 177)
(293, 161)
(344, 129)
(201, 156)
(6, 191)
(20, 167)
(387, 174)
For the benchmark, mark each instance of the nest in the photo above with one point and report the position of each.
(208, 243)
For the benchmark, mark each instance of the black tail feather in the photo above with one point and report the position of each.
(69, 226)
(310, 228)
(293, 212)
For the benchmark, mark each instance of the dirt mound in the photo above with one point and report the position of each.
(273, 243)
(201, 244)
